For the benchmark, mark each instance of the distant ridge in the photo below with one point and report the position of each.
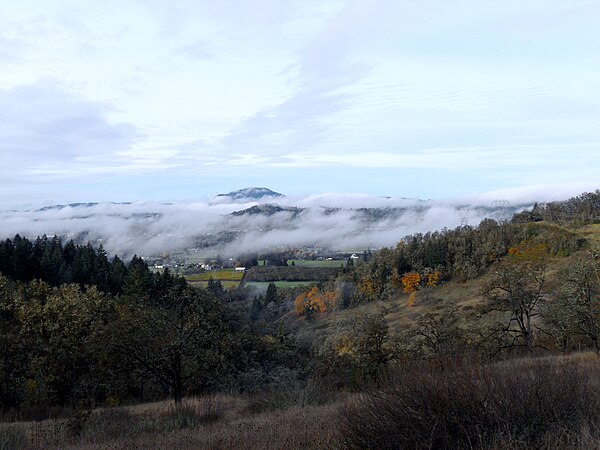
(253, 193)
(267, 210)
(77, 205)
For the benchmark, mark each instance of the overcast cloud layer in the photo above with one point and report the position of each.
(134, 100)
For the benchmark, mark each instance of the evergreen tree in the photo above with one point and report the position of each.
(271, 295)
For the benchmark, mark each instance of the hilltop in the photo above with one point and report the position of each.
(251, 193)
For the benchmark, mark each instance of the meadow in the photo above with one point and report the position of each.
(226, 274)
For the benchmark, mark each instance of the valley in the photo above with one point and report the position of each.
(217, 352)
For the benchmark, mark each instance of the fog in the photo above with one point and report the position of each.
(332, 221)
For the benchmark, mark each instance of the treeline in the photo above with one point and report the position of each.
(583, 209)
(49, 260)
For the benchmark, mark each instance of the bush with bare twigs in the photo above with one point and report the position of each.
(540, 403)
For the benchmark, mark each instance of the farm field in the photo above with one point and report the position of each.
(291, 273)
(317, 263)
(279, 284)
(226, 284)
(218, 274)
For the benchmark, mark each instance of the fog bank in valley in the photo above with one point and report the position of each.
(234, 227)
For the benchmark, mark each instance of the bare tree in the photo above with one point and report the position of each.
(580, 296)
(516, 293)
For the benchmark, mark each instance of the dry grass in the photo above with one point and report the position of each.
(296, 428)
(211, 422)
(591, 233)
(549, 402)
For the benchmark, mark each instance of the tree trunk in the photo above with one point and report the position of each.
(528, 342)
(177, 382)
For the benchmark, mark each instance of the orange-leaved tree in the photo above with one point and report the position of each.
(314, 301)
(411, 282)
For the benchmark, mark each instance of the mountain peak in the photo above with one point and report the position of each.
(254, 193)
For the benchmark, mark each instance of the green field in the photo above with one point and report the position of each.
(280, 284)
(218, 274)
(225, 284)
(317, 263)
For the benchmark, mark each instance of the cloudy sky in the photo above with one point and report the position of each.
(157, 100)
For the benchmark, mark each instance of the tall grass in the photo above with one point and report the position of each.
(534, 403)
(316, 392)
(12, 438)
(214, 422)
(119, 424)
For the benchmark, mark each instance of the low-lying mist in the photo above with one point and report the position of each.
(333, 221)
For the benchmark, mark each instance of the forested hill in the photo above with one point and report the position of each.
(583, 209)
(465, 253)
(48, 260)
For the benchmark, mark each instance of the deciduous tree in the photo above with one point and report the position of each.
(516, 293)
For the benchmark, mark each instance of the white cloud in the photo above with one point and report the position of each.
(45, 130)
(506, 90)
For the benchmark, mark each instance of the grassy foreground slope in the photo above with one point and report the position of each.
(211, 422)
(542, 402)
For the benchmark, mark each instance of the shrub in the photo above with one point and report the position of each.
(519, 404)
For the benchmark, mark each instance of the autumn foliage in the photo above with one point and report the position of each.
(314, 301)
(413, 281)
(526, 251)
(433, 278)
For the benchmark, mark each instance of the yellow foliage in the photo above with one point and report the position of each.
(343, 347)
(527, 251)
(30, 386)
(411, 281)
(433, 278)
(367, 286)
(314, 301)
(412, 298)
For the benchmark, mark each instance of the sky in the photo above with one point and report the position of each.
(160, 100)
